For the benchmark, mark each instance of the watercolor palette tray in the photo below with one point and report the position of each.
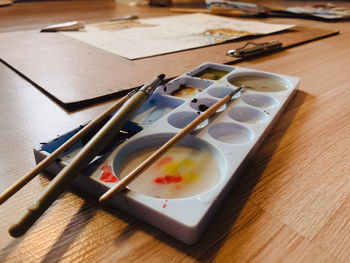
(181, 191)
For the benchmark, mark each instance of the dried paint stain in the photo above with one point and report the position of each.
(185, 92)
(176, 171)
(203, 107)
(168, 179)
(107, 174)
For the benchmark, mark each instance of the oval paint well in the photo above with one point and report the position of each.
(259, 83)
(181, 172)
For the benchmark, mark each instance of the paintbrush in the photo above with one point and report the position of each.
(53, 156)
(83, 158)
(163, 149)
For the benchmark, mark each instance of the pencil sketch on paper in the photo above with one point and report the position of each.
(120, 25)
(155, 36)
(224, 34)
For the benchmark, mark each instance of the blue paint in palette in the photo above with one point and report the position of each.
(129, 130)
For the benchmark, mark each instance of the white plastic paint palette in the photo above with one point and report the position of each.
(180, 192)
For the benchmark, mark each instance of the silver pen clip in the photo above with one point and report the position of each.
(251, 49)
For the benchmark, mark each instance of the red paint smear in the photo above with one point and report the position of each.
(107, 175)
(168, 179)
(164, 206)
(164, 161)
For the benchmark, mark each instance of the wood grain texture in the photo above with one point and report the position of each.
(291, 203)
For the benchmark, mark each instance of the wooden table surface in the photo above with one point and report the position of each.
(291, 203)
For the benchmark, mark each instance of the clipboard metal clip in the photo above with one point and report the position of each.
(251, 49)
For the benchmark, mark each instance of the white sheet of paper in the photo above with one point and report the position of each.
(154, 36)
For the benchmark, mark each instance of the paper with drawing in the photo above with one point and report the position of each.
(154, 36)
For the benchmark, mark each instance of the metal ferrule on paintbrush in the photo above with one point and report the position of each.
(149, 88)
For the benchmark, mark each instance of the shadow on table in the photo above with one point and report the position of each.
(77, 223)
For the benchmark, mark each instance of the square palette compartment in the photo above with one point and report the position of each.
(210, 71)
(154, 108)
(182, 190)
(184, 87)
